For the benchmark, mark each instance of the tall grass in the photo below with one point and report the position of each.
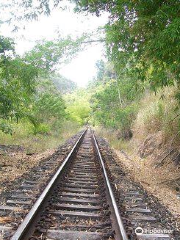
(157, 113)
(111, 136)
(23, 135)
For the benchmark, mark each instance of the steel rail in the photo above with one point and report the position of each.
(120, 227)
(20, 232)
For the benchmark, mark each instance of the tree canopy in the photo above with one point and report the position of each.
(142, 37)
(142, 47)
(23, 93)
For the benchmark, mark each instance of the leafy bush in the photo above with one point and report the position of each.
(41, 129)
(114, 104)
(6, 128)
(78, 106)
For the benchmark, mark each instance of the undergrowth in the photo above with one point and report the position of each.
(158, 112)
(23, 135)
(111, 136)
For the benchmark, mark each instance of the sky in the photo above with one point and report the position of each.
(82, 68)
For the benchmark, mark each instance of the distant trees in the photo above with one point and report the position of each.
(142, 45)
(78, 106)
(142, 37)
(63, 84)
(114, 101)
(30, 88)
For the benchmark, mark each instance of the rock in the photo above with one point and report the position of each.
(147, 148)
(150, 144)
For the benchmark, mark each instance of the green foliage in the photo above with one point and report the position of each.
(41, 129)
(46, 55)
(78, 107)
(113, 110)
(101, 69)
(6, 44)
(27, 9)
(26, 91)
(5, 128)
(17, 82)
(24, 135)
(48, 107)
(142, 38)
(105, 72)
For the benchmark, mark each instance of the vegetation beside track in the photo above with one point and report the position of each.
(133, 101)
(135, 92)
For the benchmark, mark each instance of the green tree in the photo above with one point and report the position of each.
(21, 95)
(17, 81)
(47, 55)
(63, 84)
(78, 106)
(114, 101)
(142, 37)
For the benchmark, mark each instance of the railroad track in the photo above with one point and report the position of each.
(78, 203)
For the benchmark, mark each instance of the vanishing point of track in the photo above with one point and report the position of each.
(78, 203)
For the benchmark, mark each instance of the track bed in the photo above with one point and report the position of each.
(78, 203)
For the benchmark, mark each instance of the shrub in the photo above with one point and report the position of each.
(41, 129)
(157, 113)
